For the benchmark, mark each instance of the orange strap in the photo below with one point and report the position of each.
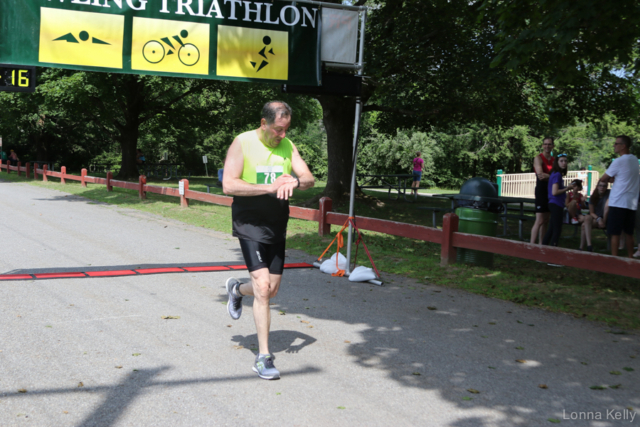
(340, 244)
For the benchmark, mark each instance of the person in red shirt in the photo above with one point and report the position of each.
(542, 165)
(575, 202)
(417, 173)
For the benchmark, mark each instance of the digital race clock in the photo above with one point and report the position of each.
(17, 78)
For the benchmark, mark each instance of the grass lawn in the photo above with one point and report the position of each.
(614, 300)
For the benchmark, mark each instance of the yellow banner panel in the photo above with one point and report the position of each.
(170, 46)
(252, 53)
(81, 38)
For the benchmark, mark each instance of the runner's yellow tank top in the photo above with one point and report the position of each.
(262, 164)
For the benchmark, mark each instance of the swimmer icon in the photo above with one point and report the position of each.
(154, 51)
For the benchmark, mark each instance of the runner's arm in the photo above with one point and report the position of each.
(301, 170)
(233, 185)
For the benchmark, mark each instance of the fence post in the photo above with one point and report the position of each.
(28, 170)
(19, 166)
(447, 251)
(8, 166)
(35, 171)
(184, 202)
(109, 178)
(499, 181)
(44, 173)
(589, 168)
(83, 173)
(63, 172)
(142, 180)
(326, 205)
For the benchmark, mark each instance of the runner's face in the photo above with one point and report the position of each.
(274, 133)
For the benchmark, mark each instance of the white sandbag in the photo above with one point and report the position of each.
(329, 266)
(362, 274)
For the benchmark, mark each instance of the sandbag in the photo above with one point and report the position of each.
(329, 266)
(362, 274)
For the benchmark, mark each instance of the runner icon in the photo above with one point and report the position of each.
(154, 51)
(267, 41)
(83, 35)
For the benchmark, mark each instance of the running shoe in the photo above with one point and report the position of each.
(265, 369)
(234, 305)
(574, 220)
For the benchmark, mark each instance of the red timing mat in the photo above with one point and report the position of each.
(134, 272)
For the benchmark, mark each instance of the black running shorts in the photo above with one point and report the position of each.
(620, 220)
(263, 255)
(542, 196)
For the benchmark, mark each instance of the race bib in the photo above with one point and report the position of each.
(268, 174)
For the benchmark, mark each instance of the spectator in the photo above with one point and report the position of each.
(557, 196)
(13, 157)
(623, 199)
(597, 218)
(140, 159)
(3, 155)
(417, 173)
(637, 254)
(542, 164)
(574, 202)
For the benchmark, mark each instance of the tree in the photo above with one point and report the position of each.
(585, 52)
(429, 65)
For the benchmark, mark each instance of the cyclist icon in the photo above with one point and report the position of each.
(267, 41)
(154, 51)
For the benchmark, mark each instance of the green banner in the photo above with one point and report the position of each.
(213, 39)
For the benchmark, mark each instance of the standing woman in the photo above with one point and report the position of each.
(417, 173)
(542, 164)
(557, 192)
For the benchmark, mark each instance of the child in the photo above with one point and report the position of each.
(575, 202)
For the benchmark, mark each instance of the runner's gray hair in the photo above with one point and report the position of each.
(273, 110)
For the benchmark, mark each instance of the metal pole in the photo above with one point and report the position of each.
(356, 131)
(352, 195)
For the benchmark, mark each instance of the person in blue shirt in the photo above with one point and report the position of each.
(557, 193)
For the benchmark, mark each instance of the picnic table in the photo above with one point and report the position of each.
(392, 182)
(504, 201)
(164, 171)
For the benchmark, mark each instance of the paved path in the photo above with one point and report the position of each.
(96, 351)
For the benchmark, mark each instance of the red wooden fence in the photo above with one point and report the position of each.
(449, 238)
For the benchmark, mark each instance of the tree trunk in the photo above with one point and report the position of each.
(130, 129)
(41, 142)
(338, 116)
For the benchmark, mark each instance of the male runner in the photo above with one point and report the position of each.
(257, 172)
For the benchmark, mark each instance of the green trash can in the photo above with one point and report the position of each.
(480, 222)
(478, 217)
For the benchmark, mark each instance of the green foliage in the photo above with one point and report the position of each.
(312, 146)
(382, 154)
(430, 66)
(452, 156)
(584, 52)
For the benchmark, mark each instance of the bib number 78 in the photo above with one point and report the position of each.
(268, 174)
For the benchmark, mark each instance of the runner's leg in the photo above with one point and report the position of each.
(262, 288)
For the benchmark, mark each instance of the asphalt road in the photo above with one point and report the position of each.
(96, 351)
